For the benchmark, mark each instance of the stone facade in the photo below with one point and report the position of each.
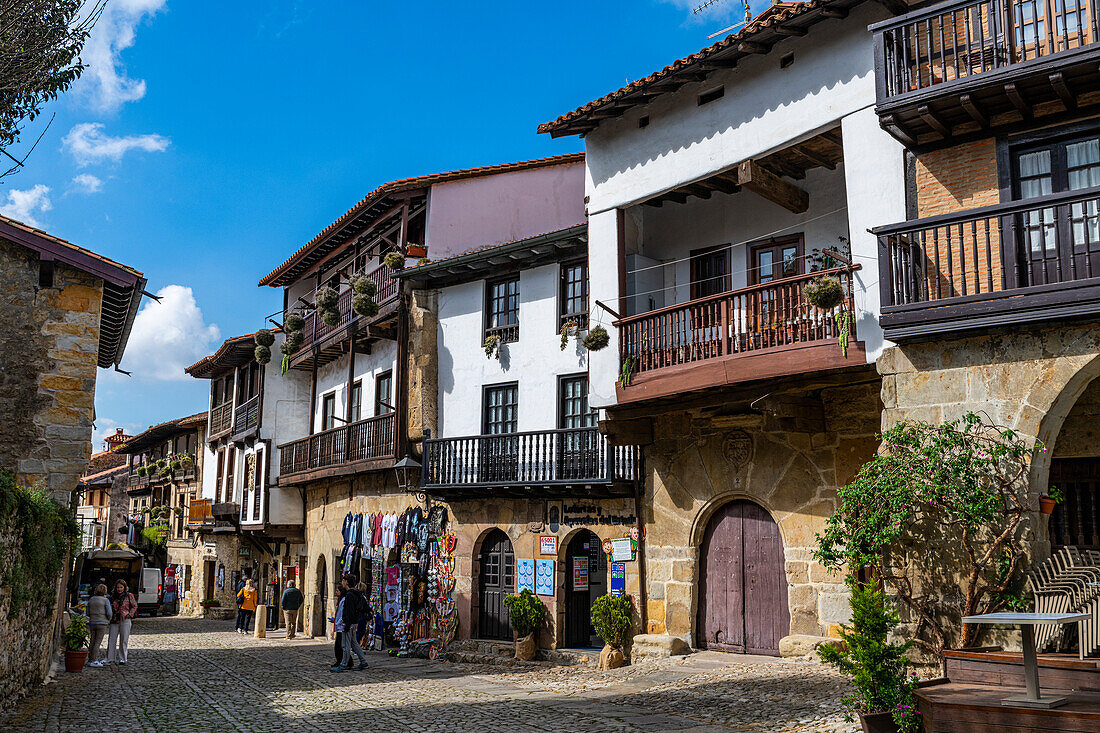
(701, 460)
(48, 353)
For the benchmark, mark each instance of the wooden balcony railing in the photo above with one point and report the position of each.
(221, 420)
(199, 512)
(570, 456)
(368, 439)
(1039, 253)
(137, 482)
(508, 334)
(960, 39)
(247, 415)
(317, 330)
(739, 321)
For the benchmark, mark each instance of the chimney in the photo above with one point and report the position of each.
(114, 441)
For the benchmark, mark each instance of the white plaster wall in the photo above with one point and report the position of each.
(534, 361)
(284, 405)
(764, 109)
(603, 285)
(332, 378)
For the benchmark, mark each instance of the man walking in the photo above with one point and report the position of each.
(355, 606)
(291, 602)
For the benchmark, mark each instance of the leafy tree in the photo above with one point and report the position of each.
(40, 44)
(939, 516)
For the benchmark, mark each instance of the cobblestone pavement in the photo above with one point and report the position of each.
(194, 675)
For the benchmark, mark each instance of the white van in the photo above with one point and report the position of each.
(149, 595)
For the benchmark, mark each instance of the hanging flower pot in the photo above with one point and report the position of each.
(597, 338)
(492, 347)
(292, 343)
(264, 337)
(825, 292)
(365, 305)
(1046, 505)
(569, 328)
(326, 297)
(363, 285)
(416, 251)
(263, 355)
(330, 317)
(394, 260)
(294, 322)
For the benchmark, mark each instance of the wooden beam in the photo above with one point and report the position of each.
(897, 7)
(890, 123)
(701, 191)
(1061, 87)
(638, 431)
(676, 197)
(688, 76)
(790, 30)
(972, 109)
(753, 47)
(934, 122)
(608, 113)
(835, 12)
(655, 203)
(1018, 100)
(815, 157)
(753, 176)
(719, 64)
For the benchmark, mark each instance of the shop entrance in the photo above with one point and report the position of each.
(322, 592)
(743, 585)
(496, 580)
(585, 581)
(208, 571)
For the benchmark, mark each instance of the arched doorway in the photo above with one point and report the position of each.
(1075, 471)
(742, 583)
(585, 581)
(496, 579)
(322, 592)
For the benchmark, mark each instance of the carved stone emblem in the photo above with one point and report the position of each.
(738, 449)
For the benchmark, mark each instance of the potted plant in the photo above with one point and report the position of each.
(263, 355)
(363, 285)
(177, 464)
(365, 305)
(326, 297)
(293, 323)
(330, 317)
(824, 292)
(611, 620)
(1052, 499)
(76, 638)
(526, 612)
(597, 338)
(394, 260)
(569, 328)
(883, 695)
(416, 251)
(141, 470)
(492, 347)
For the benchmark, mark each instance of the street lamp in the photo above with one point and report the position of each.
(407, 470)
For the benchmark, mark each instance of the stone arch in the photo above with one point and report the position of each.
(1047, 425)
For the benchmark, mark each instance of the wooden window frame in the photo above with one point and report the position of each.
(798, 239)
(693, 259)
(356, 401)
(328, 415)
(485, 390)
(562, 379)
(387, 377)
(509, 332)
(564, 314)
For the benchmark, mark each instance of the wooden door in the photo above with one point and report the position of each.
(1076, 520)
(743, 586)
(586, 548)
(496, 580)
(322, 592)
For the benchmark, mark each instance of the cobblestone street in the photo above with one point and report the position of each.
(192, 675)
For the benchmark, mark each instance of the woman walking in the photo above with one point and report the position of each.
(123, 609)
(99, 618)
(338, 636)
(247, 609)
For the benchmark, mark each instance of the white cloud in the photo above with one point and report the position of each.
(105, 426)
(168, 336)
(87, 183)
(26, 205)
(104, 83)
(89, 144)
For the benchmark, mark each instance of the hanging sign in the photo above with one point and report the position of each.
(544, 577)
(525, 575)
(580, 573)
(617, 586)
(622, 549)
(548, 544)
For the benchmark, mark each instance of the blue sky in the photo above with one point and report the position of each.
(207, 141)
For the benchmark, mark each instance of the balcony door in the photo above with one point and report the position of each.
(499, 454)
(1058, 248)
(771, 260)
(579, 444)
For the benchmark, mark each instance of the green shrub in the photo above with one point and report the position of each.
(365, 305)
(597, 338)
(879, 669)
(394, 260)
(326, 297)
(526, 612)
(611, 618)
(263, 355)
(363, 285)
(330, 317)
(264, 337)
(76, 636)
(293, 323)
(825, 292)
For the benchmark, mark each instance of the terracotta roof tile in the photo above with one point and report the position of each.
(67, 244)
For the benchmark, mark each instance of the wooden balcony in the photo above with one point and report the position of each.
(221, 421)
(137, 482)
(957, 69)
(758, 332)
(1001, 265)
(200, 513)
(246, 416)
(570, 462)
(320, 338)
(358, 446)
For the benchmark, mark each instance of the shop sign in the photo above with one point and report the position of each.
(244, 552)
(580, 573)
(544, 577)
(617, 586)
(548, 544)
(622, 549)
(525, 575)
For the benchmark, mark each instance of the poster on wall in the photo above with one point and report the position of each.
(580, 573)
(617, 586)
(622, 549)
(525, 575)
(548, 544)
(544, 577)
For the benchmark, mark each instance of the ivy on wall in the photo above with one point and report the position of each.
(46, 532)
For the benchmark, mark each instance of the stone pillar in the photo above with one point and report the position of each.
(423, 367)
(259, 626)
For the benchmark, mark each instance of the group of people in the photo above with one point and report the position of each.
(248, 598)
(111, 617)
(350, 623)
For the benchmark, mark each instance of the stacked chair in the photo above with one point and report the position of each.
(1068, 582)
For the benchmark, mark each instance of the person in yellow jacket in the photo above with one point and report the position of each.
(246, 608)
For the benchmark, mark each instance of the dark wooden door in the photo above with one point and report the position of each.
(587, 547)
(496, 579)
(322, 591)
(1076, 520)
(743, 586)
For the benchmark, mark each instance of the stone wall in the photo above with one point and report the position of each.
(423, 368)
(48, 352)
(701, 460)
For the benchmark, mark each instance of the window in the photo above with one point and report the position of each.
(219, 477)
(710, 271)
(383, 385)
(573, 409)
(498, 457)
(775, 259)
(258, 484)
(248, 382)
(502, 309)
(356, 411)
(230, 469)
(328, 411)
(500, 412)
(573, 298)
(579, 451)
